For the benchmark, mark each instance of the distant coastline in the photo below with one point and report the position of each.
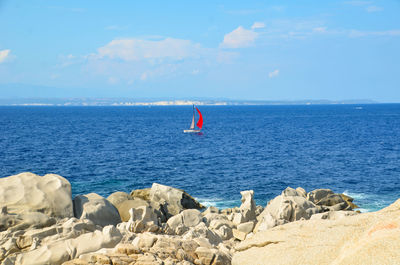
(166, 102)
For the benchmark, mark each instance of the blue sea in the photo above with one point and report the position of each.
(352, 149)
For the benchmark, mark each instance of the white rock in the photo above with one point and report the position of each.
(63, 250)
(238, 218)
(27, 192)
(143, 218)
(191, 217)
(239, 234)
(97, 209)
(248, 206)
(246, 227)
(176, 200)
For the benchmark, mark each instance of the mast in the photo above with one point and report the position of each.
(192, 125)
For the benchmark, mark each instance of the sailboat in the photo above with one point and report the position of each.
(199, 123)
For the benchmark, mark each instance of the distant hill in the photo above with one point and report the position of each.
(162, 102)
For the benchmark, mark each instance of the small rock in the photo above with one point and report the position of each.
(246, 227)
(239, 234)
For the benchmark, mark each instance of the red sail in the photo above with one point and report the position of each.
(200, 122)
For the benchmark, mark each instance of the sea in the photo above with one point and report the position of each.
(351, 149)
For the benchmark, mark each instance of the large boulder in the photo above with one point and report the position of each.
(368, 238)
(180, 223)
(316, 195)
(143, 194)
(27, 192)
(125, 206)
(290, 206)
(63, 250)
(174, 200)
(143, 219)
(97, 209)
(330, 200)
(118, 197)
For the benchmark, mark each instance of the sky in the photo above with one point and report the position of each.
(258, 50)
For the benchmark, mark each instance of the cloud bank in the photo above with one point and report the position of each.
(139, 49)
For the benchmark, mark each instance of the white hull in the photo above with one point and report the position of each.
(191, 131)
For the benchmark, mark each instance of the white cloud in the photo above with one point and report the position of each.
(143, 77)
(115, 27)
(358, 3)
(273, 73)
(357, 33)
(113, 80)
(371, 9)
(319, 29)
(3, 55)
(138, 49)
(239, 38)
(258, 25)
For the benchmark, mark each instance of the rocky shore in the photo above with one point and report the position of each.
(40, 223)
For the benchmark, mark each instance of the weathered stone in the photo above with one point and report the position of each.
(211, 209)
(339, 207)
(124, 207)
(127, 249)
(222, 227)
(301, 192)
(143, 194)
(248, 206)
(368, 238)
(144, 240)
(288, 207)
(221, 259)
(97, 209)
(259, 210)
(60, 251)
(200, 231)
(143, 218)
(332, 215)
(246, 227)
(27, 192)
(191, 217)
(316, 195)
(224, 232)
(118, 197)
(148, 259)
(205, 255)
(289, 192)
(175, 223)
(239, 234)
(330, 200)
(180, 223)
(238, 218)
(201, 242)
(15, 222)
(176, 200)
(76, 262)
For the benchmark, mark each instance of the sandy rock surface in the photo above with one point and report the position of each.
(369, 238)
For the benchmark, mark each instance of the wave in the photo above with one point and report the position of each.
(219, 202)
(369, 202)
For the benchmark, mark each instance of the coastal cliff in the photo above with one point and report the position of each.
(40, 223)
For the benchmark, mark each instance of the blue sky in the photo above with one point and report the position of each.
(267, 50)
